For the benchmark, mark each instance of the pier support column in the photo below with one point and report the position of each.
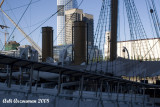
(31, 77)
(37, 79)
(20, 71)
(9, 72)
(59, 82)
(81, 87)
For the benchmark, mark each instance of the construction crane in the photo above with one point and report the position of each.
(35, 46)
(5, 36)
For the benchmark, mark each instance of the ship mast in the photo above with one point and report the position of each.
(114, 24)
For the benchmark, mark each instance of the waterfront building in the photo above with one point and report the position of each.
(141, 49)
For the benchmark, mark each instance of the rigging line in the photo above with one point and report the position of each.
(133, 22)
(47, 20)
(154, 22)
(101, 31)
(136, 27)
(18, 22)
(151, 48)
(155, 19)
(38, 38)
(11, 9)
(96, 33)
(107, 28)
(98, 26)
(35, 23)
(130, 24)
(1, 15)
(156, 15)
(142, 26)
(147, 40)
(107, 21)
(105, 39)
(104, 32)
(157, 23)
(147, 5)
(68, 20)
(8, 5)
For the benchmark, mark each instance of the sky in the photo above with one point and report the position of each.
(40, 10)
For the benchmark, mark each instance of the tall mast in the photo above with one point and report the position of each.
(114, 24)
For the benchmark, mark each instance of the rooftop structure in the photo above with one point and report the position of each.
(11, 45)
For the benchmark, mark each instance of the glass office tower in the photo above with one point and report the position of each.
(61, 4)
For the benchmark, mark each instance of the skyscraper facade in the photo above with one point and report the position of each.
(62, 6)
(73, 15)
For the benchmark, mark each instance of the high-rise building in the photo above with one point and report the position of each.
(73, 15)
(90, 23)
(62, 6)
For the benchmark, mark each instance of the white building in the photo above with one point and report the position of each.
(142, 49)
(145, 49)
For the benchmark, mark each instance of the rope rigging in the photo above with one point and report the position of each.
(11, 9)
(47, 19)
(140, 44)
(140, 49)
(137, 30)
(18, 23)
(102, 27)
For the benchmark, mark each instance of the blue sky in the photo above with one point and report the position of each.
(42, 9)
(36, 13)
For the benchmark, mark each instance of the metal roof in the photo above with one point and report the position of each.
(46, 67)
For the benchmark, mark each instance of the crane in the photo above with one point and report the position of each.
(5, 36)
(24, 34)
